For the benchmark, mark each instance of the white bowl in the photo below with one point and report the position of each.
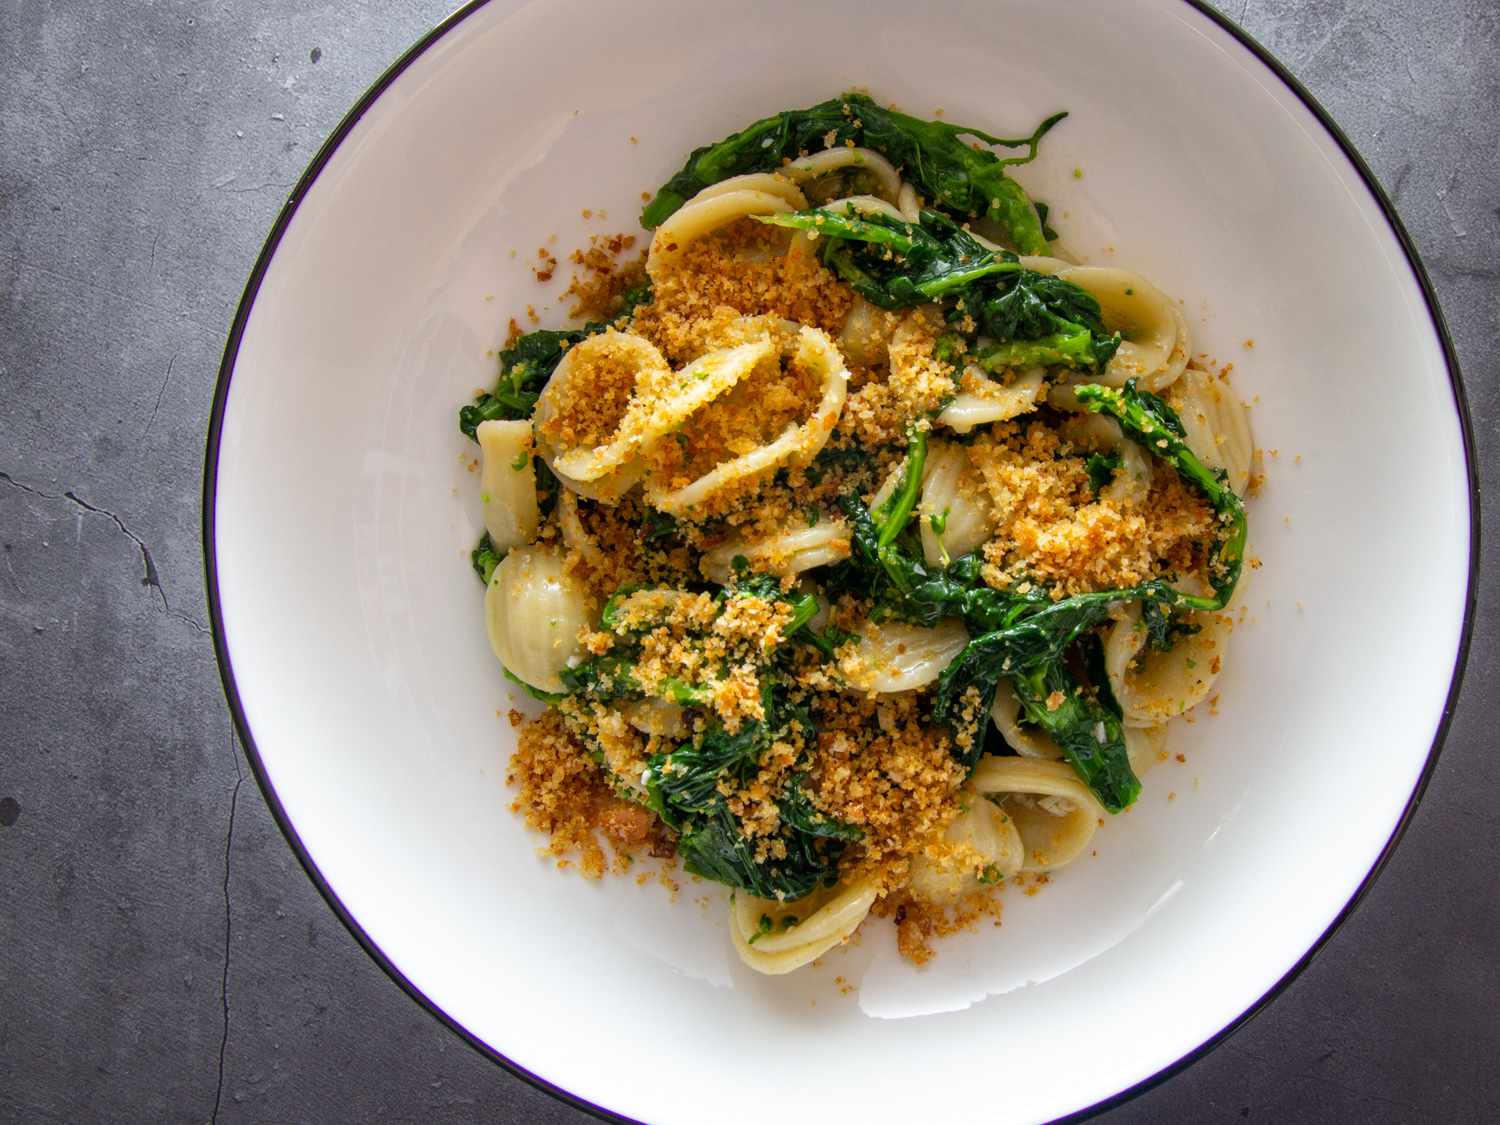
(339, 514)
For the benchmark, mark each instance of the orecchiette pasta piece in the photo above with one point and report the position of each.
(607, 489)
(895, 656)
(1042, 263)
(982, 844)
(1152, 687)
(1094, 433)
(909, 203)
(1155, 345)
(533, 613)
(866, 334)
(865, 205)
(981, 400)
(1217, 424)
(771, 183)
(701, 216)
(574, 535)
(814, 353)
(776, 937)
(581, 410)
(661, 400)
(952, 500)
(1143, 745)
(656, 716)
(1027, 741)
(1054, 812)
(791, 552)
(880, 170)
(507, 483)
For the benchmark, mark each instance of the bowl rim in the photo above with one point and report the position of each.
(246, 737)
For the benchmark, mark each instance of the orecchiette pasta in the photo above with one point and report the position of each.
(582, 446)
(1153, 686)
(776, 937)
(507, 483)
(814, 353)
(662, 399)
(701, 216)
(1097, 434)
(1053, 811)
(657, 716)
(910, 203)
(1155, 345)
(841, 157)
(866, 205)
(895, 656)
(771, 183)
(982, 843)
(791, 552)
(981, 400)
(1216, 423)
(954, 512)
(1025, 740)
(866, 334)
(574, 535)
(534, 613)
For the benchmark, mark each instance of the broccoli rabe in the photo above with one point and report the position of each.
(684, 787)
(1030, 318)
(938, 157)
(1027, 636)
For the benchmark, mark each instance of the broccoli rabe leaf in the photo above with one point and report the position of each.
(525, 367)
(1090, 734)
(684, 782)
(683, 788)
(714, 847)
(1101, 468)
(1037, 319)
(485, 558)
(893, 263)
(659, 529)
(938, 157)
(799, 813)
(1163, 626)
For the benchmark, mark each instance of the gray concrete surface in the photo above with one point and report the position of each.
(162, 955)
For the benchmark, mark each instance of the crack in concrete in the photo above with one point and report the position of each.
(162, 390)
(151, 578)
(234, 800)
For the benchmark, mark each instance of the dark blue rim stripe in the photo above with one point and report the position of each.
(247, 739)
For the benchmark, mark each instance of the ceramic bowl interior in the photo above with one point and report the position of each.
(342, 508)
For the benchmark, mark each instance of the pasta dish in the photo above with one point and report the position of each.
(863, 545)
